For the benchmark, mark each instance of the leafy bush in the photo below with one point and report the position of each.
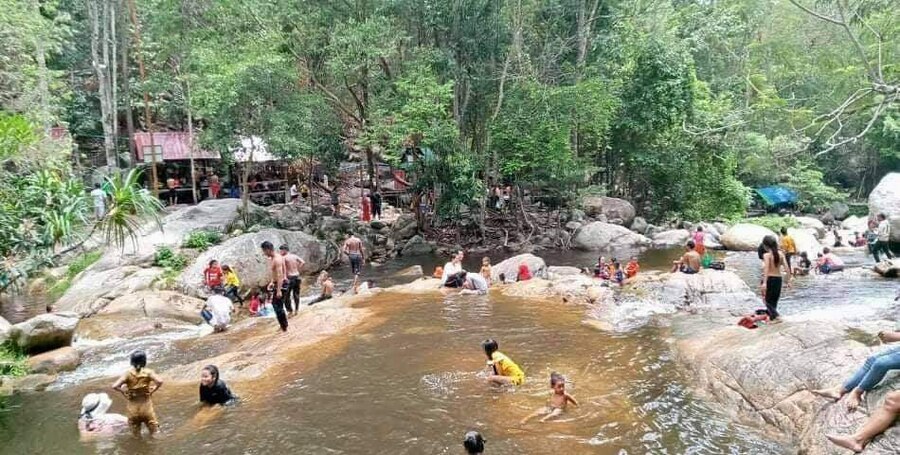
(13, 362)
(813, 192)
(169, 260)
(774, 222)
(202, 240)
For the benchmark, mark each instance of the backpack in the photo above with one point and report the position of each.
(717, 265)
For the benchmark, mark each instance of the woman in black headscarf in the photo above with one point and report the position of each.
(213, 390)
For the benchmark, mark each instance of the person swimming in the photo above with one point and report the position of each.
(504, 370)
(138, 384)
(213, 390)
(559, 400)
(474, 443)
(94, 421)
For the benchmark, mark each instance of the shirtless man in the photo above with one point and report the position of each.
(277, 282)
(293, 264)
(353, 248)
(327, 288)
(689, 262)
(774, 263)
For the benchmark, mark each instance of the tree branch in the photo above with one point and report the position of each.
(813, 13)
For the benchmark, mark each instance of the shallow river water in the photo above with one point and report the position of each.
(408, 381)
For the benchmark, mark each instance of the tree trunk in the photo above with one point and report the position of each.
(43, 84)
(126, 89)
(101, 69)
(112, 41)
(190, 121)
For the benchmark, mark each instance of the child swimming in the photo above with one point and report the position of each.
(503, 370)
(559, 399)
(138, 384)
(474, 443)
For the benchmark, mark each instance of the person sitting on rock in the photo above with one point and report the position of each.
(867, 377)
(452, 268)
(327, 285)
(220, 309)
(690, 260)
(213, 275)
(632, 268)
(95, 422)
(618, 274)
(878, 422)
(524, 272)
(601, 270)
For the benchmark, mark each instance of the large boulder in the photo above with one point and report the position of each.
(639, 225)
(45, 332)
(807, 222)
(291, 216)
(765, 376)
(855, 224)
(805, 239)
(885, 198)
(94, 288)
(889, 268)
(744, 237)
(610, 207)
(599, 236)
(417, 246)
(670, 239)
(156, 305)
(55, 361)
(5, 328)
(839, 210)
(510, 267)
(244, 255)
(404, 227)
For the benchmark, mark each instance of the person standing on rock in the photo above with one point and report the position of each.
(699, 237)
(773, 265)
(278, 282)
(883, 243)
(353, 248)
(376, 204)
(788, 246)
(335, 202)
(293, 264)
(99, 201)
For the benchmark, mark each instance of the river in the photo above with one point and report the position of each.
(408, 381)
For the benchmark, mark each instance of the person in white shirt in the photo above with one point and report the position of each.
(452, 269)
(474, 284)
(220, 307)
(883, 242)
(99, 201)
(295, 194)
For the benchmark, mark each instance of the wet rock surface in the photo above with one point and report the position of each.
(45, 332)
(599, 236)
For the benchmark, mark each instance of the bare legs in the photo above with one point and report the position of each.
(880, 420)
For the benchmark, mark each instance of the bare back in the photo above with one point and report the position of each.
(691, 259)
(353, 245)
(292, 264)
(769, 266)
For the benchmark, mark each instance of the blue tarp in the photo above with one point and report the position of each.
(777, 195)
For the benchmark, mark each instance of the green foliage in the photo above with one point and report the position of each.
(773, 222)
(202, 240)
(130, 206)
(13, 362)
(813, 192)
(166, 258)
(78, 265)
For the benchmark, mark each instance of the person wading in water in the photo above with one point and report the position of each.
(293, 264)
(278, 282)
(774, 263)
(353, 248)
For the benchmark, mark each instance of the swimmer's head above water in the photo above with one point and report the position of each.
(209, 375)
(138, 360)
(557, 382)
(474, 442)
(490, 347)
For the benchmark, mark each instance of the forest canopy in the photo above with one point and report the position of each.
(680, 106)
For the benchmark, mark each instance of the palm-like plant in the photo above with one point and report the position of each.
(129, 207)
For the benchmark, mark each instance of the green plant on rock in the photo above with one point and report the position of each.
(202, 239)
(80, 264)
(774, 222)
(13, 362)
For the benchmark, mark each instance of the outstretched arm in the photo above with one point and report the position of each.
(889, 337)
(571, 399)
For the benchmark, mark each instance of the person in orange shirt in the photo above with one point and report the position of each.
(632, 268)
